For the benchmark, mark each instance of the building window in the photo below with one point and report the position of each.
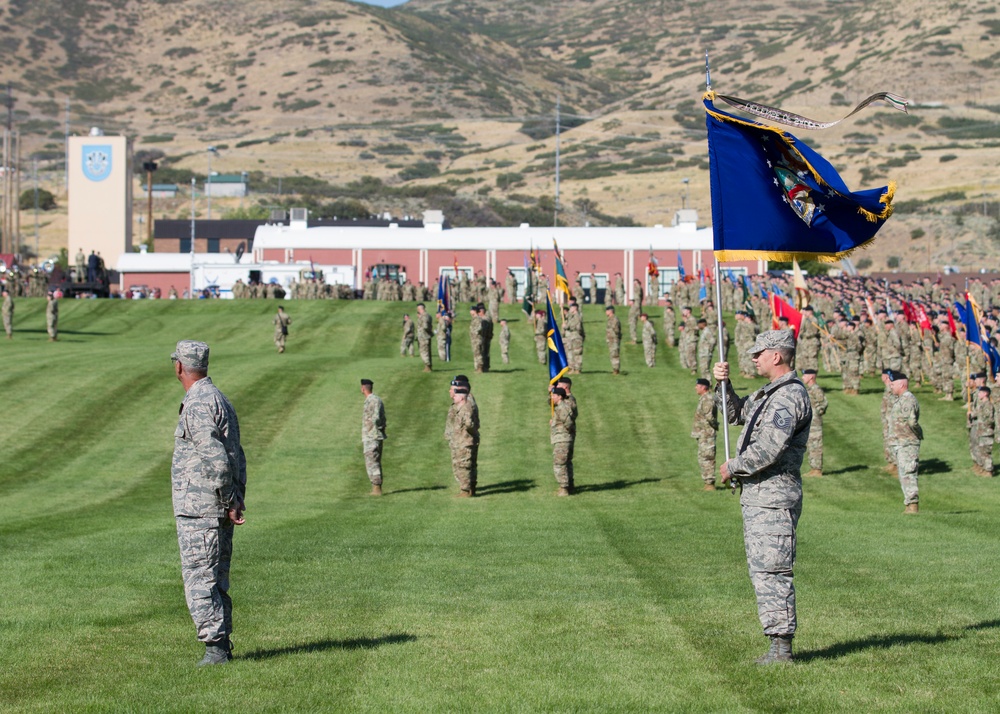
(185, 245)
(213, 245)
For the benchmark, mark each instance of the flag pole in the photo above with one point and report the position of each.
(725, 391)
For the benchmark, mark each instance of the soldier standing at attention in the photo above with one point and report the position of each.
(462, 433)
(704, 429)
(888, 400)
(81, 266)
(372, 435)
(52, 316)
(819, 404)
(8, 314)
(281, 323)
(487, 338)
(770, 451)
(613, 336)
(573, 337)
(476, 338)
(563, 436)
(504, 342)
(540, 337)
(633, 320)
(406, 344)
(807, 349)
(669, 324)
(706, 347)
(425, 330)
(981, 430)
(648, 340)
(444, 337)
(904, 438)
(209, 475)
(592, 292)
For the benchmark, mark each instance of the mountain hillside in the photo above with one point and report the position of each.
(452, 103)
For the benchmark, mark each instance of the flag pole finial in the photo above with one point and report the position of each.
(708, 74)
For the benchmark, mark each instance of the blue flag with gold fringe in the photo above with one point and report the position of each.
(775, 198)
(558, 363)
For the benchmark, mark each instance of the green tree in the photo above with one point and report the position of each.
(46, 200)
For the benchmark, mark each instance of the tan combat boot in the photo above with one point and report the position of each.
(563, 491)
(709, 487)
(814, 473)
(376, 490)
(911, 509)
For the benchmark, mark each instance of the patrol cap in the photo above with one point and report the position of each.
(895, 375)
(809, 371)
(703, 382)
(367, 383)
(773, 340)
(559, 391)
(191, 353)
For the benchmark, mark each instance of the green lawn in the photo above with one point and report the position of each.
(631, 596)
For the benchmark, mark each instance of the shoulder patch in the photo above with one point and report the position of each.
(783, 419)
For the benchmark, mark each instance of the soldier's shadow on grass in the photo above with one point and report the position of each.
(494, 489)
(849, 469)
(930, 467)
(615, 485)
(359, 643)
(842, 649)
(412, 490)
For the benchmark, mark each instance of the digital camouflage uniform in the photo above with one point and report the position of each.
(476, 340)
(807, 348)
(281, 323)
(613, 336)
(706, 350)
(669, 326)
(208, 474)
(462, 433)
(768, 463)
(373, 436)
(704, 430)
(888, 400)
(945, 364)
(52, 318)
(505, 343)
(487, 339)
(8, 315)
(904, 443)
(634, 311)
(981, 432)
(649, 343)
(563, 436)
(815, 444)
(541, 348)
(850, 340)
(573, 337)
(406, 344)
(444, 338)
(894, 352)
(425, 331)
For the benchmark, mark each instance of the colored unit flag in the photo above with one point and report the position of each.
(731, 276)
(922, 319)
(779, 309)
(558, 364)
(561, 282)
(702, 291)
(952, 327)
(774, 198)
(444, 301)
(653, 268)
(969, 318)
(680, 267)
(801, 289)
(992, 356)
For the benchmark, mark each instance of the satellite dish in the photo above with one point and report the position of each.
(240, 250)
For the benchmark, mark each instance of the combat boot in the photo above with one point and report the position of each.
(890, 469)
(709, 487)
(463, 494)
(563, 491)
(814, 473)
(779, 651)
(376, 490)
(217, 653)
(427, 368)
(911, 509)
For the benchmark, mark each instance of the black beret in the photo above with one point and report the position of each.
(367, 383)
(703, 382)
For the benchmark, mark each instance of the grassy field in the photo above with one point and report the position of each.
(632, 596)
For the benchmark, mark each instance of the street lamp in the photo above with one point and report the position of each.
(208, 181)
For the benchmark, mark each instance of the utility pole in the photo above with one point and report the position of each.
(555, 217)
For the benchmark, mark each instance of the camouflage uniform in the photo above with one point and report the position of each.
(541, 323)
(819, 404)
(406, 344)
(851, 363)
(281, 323)
(573, 337)
(894, 352)
(649, 343)
(52, 318)
(487, 339)
(888, 400)
(807, 349)
(373, 436)
(706, 350)
(505, 343)
(981, 430)
(770, 452)
(613, 336)
(444, 338)
(669, 326)
(633, 320)
(8, 315)
(209, 476)
(462, 433)
(904, 443)
(425, 330)
(944, 367)
(563, 437)
(476, 330)
(704, 430)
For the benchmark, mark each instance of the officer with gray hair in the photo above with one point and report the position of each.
(776, 421)
(209, 475)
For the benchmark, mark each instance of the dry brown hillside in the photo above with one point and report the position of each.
(451, 104)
